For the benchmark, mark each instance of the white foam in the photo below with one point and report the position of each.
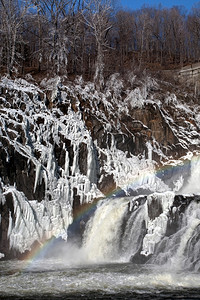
(101, 238)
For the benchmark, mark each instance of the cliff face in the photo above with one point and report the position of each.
(64, 144)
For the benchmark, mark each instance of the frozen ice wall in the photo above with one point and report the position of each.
(64, 145)
(42, 153)
(32, 220)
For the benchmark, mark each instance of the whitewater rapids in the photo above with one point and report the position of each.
(53, 279)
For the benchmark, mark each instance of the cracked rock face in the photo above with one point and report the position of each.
(64, 144)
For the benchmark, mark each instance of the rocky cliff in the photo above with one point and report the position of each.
(64, 144)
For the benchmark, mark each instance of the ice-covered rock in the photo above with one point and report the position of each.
(64, 144)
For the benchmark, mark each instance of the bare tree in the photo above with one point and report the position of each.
(144, 32)
(90, 38)
(96, 16)
(193, 25)
(37, 28)
(125, 26)
(56, 14)
(12, 18)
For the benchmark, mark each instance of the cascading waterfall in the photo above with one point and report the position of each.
(102, 236)
(192, 185)
(182, 249)
(133, 233)
(154, 229)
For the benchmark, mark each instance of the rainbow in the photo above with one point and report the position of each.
(41, 249)
(175, 166)
(37, 252)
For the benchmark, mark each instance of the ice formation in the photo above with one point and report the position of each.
(68, 159)
(36, 221)
(33, 220)
(156, 228)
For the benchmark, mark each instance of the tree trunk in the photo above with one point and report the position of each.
(98, 76)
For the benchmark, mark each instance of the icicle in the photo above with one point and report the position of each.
(10, 225)
(50, 159)
(37, 175)
(66, 163)
(2, 199)
(150, 148)
(91, 163)
(74, 167)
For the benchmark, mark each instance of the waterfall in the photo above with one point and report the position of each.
(102, 236)
(182, 249)
(161, 229)
(133, 233)
(192, 186)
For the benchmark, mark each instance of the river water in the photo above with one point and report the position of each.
(56, 279)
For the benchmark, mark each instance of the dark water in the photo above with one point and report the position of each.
(56, 279)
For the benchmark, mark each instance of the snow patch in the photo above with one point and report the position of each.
(135, 98)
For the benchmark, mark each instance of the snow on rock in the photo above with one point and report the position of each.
(135, 98)
(131, 173)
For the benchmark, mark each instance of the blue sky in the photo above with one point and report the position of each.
(137, 4)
